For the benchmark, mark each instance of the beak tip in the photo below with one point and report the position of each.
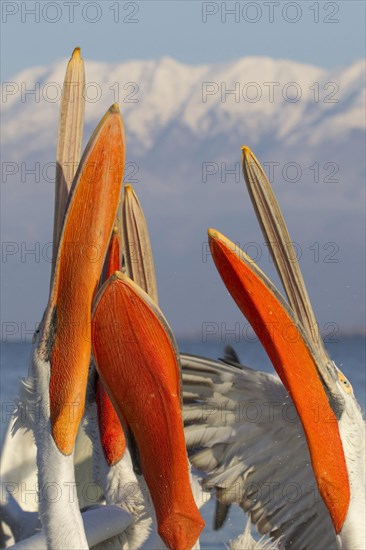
(115, 108)
(212, 233)
(181, 532)
(76, 54)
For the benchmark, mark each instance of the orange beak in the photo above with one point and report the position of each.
(296, 363)
(112, 436)
(137, 359)
(65, 340)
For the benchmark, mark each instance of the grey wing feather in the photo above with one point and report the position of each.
(243, 431)
(221, 512)
(231, 356)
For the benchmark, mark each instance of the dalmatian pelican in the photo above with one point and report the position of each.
(295, 460)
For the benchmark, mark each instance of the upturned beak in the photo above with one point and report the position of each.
(297, 364)
(130, 240)
(137, 359)
(65, 334)
(290, 335)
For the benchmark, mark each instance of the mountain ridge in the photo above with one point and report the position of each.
(184, 160)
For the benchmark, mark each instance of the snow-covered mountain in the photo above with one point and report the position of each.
(184, 126)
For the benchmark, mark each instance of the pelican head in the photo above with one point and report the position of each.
(321, 393)
(88, 223)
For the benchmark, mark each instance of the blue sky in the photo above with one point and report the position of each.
(328, 34)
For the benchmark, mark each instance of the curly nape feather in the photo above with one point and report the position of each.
(26, 405)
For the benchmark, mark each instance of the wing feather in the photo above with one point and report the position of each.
(243, 432)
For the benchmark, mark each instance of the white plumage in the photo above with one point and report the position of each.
(119, 483)
(243, 431)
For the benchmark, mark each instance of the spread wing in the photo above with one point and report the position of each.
(244, 434)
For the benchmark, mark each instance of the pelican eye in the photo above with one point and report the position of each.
(344, 382)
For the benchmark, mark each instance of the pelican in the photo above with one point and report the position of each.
(155, 429)
(54, 393)
(113, 469)
(298, 465)
(119, 478)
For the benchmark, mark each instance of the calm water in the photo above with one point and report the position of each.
(348, 353)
